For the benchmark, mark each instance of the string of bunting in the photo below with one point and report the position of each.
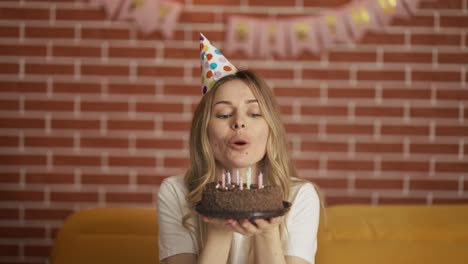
(148, 15)
(292, 36)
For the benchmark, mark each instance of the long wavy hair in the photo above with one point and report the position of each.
(276, 164)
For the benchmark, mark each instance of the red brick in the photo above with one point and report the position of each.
(22, 159)
(9, 214)
(15, 123)
(379, 147)
(131, 88)
(405, 130)
(434, 39)
(455, 131)
(436, 185)
(76, 88)
(105, 33)
(49, 68)
(149, 180)
(405, 166)
(446, 166)
(77, 14)
(22, 50)
(37, 251)
(178, 35)
(271, 3)
(414, 21)
(434, 112)
(75, 51)
(159, 107)
(9, 31)
(374, 183)
(453, 200)
(9, 141)
(22, 232)
(129, 197)
(331, 183)
(75, 124)
(104, 70)
(328, 74)
(130, 125)
(310, 92)
(436, 76)
(47, 214)
(416, 57)
(306, 164)
(104, 142)
(275, 73)
(324, 146)
(23, 87)
(23, 13)
(383, 38)
(48, 141)
(402, 200)
(9, 105)
(379, 111)
(354, 56)
(9, 68)
(105, 179)
(172, 162)
(399, 93)
(325, 3)
(301, 128)
(133, 161)
(349, 92)
(22, 196)
(191, 17)
(460, 21)
(9, 177)
(160, 71)
(446, 4)
(349, 129)
(361, 165)
(324, 110)
(176, 126)
(132, 52)
(217, 2)
(49, 32)
(49, 178)
(453, 58)
(433, 148)
(48, 105)
(9, 250)
(74, 197)
(179, 53)
(159, 143)
(331, 200)
(103, 106)
(76, 160)
(380, 75)
(182, 90)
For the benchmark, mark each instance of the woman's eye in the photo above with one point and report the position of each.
(255, 115)
(223, 116)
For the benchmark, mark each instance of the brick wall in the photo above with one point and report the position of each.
(92, 113)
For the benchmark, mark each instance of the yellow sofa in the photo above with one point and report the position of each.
(348, 234)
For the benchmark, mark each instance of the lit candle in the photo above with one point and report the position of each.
(260, 180)
(237, 177)
(241, 182)
(249, 177)
(228, 174)
(223, 180)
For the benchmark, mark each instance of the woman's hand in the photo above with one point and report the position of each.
(246, 227)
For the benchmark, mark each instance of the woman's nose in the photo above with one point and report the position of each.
(238, 124)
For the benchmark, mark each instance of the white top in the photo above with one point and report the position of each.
(300, 239)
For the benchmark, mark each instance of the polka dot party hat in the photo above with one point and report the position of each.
(214, 65)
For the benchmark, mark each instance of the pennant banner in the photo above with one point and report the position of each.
(148, 15)
(291, 37)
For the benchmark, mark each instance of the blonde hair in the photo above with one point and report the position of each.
(276, 165)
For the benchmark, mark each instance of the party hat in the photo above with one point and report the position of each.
(214, 65)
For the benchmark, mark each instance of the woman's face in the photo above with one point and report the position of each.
(237, 131)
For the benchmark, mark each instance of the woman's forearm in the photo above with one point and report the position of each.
(217, 246)
(268, 248)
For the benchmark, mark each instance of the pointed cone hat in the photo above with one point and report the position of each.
(214, 65)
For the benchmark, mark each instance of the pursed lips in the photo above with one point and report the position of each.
(238, 143)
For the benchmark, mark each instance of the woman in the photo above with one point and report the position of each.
(239, 106)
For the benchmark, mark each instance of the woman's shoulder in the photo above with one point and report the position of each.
(173, 184)
(304, 188)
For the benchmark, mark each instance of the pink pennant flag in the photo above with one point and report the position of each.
(272, 38)
(128, 7)
(303, 35)
(146, 18)
(169, 12)
(241, 35)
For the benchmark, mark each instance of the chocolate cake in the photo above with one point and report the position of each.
(232, 202)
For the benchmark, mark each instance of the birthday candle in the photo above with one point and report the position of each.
(241, 183)
(228, 174)
(249, 177)
(237, 177)
(223, 180)
(260, 180)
